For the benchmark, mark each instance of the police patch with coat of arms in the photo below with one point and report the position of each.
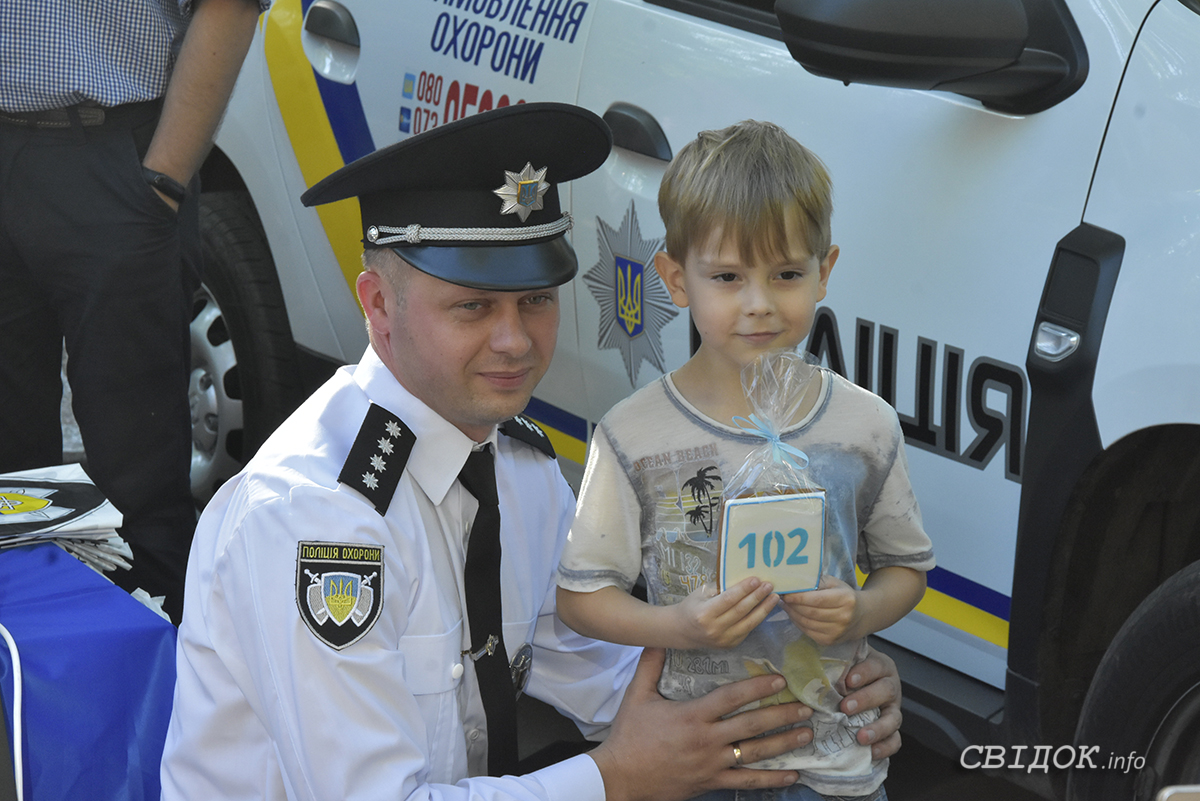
(339, 589)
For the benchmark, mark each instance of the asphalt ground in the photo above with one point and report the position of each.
(920, 774)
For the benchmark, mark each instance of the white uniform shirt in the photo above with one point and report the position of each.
(266, 710)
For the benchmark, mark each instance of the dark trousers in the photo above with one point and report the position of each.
(90, 253)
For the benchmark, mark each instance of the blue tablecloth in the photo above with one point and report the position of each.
(99, 675)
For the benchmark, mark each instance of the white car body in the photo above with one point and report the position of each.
(948, 214)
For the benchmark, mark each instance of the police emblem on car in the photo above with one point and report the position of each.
(339, 589)
(634, 304)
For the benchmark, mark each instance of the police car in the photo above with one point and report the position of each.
(1017, 199)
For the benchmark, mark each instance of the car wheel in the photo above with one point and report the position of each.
(244, 380)
(1142, 710)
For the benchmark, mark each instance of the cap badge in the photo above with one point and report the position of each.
(522, 192)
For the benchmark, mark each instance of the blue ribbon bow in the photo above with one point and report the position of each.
(780, 450)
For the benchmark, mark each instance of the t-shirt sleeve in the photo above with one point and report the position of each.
(604, 546)
(894, 534)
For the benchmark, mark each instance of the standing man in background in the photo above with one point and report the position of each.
(107, 111)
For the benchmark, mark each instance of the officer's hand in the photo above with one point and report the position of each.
(876, 683)
(674, 750)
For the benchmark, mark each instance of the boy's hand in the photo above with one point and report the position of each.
(708, 619)
(826, 614)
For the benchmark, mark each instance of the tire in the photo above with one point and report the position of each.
(244, 379)
(1145, 700)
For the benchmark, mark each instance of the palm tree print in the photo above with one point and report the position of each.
(701, 486)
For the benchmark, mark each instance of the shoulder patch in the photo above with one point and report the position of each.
(339, 589)
(524, 429)
(378, 456)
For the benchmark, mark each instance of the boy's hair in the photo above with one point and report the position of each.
(746, 179)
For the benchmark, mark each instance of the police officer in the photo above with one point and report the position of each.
(366, 599)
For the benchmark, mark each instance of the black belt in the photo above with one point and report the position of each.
(86, 116)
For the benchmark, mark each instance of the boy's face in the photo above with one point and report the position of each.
(744, 308)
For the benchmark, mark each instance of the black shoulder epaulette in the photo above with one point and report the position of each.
(524, 429)
(378, 456)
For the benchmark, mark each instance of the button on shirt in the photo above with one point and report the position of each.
(265, 710)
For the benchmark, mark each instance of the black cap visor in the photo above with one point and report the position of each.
(505, 268)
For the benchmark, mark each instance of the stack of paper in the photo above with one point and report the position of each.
(61, 505)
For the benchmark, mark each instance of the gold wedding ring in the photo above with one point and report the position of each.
(737, 754)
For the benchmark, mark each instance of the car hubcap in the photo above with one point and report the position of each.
(212, 390)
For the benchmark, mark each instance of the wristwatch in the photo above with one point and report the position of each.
(165, 184)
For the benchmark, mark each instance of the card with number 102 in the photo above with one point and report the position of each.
(778, 538)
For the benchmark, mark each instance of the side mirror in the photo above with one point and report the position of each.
(1017, 56)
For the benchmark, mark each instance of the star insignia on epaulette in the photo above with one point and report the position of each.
(375, 462)
(524, 429)
(522, 192)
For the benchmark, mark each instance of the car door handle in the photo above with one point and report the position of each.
(635, 129)
(332, 21)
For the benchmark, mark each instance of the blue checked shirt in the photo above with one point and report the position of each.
(56, 53)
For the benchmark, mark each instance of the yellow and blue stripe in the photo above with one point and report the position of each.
(325, 123)
(964, 604)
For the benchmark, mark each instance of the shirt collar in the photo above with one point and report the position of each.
(441, 449)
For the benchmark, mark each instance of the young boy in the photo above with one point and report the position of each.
(747, 212)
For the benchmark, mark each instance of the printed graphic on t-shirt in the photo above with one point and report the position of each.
(685, 497)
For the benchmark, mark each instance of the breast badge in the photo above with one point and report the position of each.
(520, 666)
(339, 589)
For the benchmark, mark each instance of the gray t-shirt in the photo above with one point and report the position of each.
(648, 503)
